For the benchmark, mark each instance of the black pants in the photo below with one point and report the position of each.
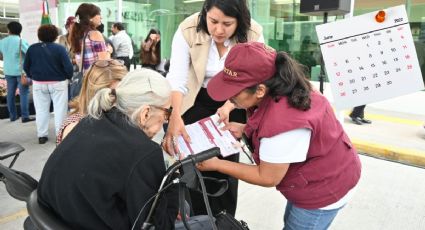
(127, 62)
(205, 106)
(358, 111)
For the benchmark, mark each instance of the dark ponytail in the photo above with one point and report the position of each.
(84, 13)
(290, 81)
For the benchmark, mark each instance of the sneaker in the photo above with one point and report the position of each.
(366, 121)
(357, 120)
(27, 119)
(42, 140)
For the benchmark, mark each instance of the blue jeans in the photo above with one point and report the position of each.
(307, 219)
(14, 82)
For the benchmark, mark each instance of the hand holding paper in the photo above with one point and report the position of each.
(206, 134)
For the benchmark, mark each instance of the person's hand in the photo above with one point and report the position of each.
(175, 129)
(236, 129)
(209, 165)
(224, 112)
(109, 48)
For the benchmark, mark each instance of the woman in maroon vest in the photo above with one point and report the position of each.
(299, 145)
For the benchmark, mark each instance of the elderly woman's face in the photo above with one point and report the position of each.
(220, 26)
(158, 115)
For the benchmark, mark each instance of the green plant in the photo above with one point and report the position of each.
(3, 87)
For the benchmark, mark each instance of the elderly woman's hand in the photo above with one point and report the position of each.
(209, 165)
(175, 129)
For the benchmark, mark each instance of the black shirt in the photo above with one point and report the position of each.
(103, 173)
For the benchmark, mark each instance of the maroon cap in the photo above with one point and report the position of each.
(246, 65)
(70, 20)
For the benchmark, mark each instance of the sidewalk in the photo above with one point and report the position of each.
(396, 132)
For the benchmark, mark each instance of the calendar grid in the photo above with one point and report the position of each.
(367, 61)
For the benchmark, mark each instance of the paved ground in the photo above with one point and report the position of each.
(389, 196)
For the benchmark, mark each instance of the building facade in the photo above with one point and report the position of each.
(284, 27)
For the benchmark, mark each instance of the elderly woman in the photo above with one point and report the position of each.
(50, 75)
(108, 167)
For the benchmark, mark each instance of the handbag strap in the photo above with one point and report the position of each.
(224, 185)
(204, 195)
(182, 192)
(82, 52)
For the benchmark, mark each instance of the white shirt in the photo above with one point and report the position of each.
(292, 147)
(180, 61)
(122, 44)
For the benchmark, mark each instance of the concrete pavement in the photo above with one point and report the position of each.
(397, 131)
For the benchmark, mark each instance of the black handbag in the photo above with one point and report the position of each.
(222, 221)
(77, 78)
(75, 84)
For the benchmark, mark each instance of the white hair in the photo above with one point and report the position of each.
(138, 88)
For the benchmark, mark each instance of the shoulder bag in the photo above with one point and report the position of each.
(222, 221)
(77, 78)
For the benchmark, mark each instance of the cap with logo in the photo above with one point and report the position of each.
(246, 65)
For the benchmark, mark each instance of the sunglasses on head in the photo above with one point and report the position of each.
(106, 63)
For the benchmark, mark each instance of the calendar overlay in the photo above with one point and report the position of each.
(367, 61)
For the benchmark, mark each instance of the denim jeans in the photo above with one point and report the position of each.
(14, 82)
(308, 219)
(42, 95)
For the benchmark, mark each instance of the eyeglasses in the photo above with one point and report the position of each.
(167, 111)
(106, 63)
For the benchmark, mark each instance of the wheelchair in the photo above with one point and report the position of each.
(23, 187)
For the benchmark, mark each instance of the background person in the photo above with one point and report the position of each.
(299, 145)
(103, 173)
(199, 49)
(357, 115)
(87, 19)
(150, 52)
(109, 45)
(64, 40)
(10, 47)
(122, 44)
(102, 74)
(50, 76)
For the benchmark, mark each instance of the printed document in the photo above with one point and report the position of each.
(205, 134)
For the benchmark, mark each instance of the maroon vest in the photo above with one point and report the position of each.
(332, 166)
